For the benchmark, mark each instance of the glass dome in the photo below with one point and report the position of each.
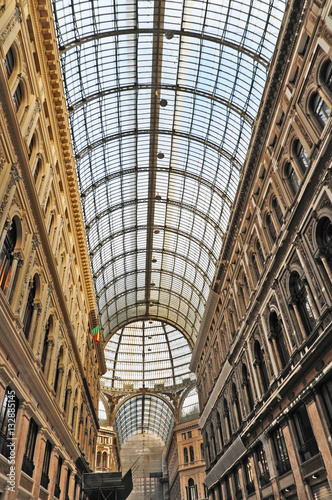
(147, 354)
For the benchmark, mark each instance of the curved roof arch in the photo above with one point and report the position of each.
(145, 353)
(162, 96)
(144, 413)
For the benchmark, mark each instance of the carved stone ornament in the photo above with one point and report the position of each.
(15, 17)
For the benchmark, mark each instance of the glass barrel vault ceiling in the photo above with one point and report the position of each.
(146, 353)
(162, 97)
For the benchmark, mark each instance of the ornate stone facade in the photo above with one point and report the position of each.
(50, 365)
(265, 394)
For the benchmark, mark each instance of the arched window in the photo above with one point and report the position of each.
(219, 431)
(32, 145)
(227, 420)
(98, 459)
(18, 95)
(191, 454)
(6, 256)
(10, 62)
(247, 387)
(45, 344)
(264, 474)
(320, 109)
(185, 455)
(255, 266)
(192, 490)
(37, 170)
(277, 210)
(324, 237)
(29, 308)
(260, 253)
(202, 451)
(259, 363)
(301, 154)
(207, 446)
(59, 371)
(67, 395)
(104, 460)
(302, 302)
(278, 336)
(271, 228)
(236, 405)
(292, 178)
(213, 441)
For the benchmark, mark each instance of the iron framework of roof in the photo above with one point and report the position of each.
(162, 97)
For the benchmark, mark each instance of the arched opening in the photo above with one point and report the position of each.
(29, 309)
(292, 178)
(247, 387)
(10, 62)
(192, 490)
(185, 455)
(271, 228)
(277, 210)
(320, 109)
(219, 432)
(302, 303)
(301, 155)
(6, 256)
(279, 339)
(260, 365)
(236, 405)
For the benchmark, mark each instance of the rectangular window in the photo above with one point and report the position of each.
(280, 450)
(7, 420)
(189, 434)
(57, 490)
(249, 477)
(46, 465)
(184, 436)
(67, 484)
(304, 433)
(28, 465)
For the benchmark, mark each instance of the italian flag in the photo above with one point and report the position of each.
(95, 332)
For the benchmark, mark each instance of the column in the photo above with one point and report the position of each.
(17, 265)
(39, 459)
(320, 435)
(293, 458)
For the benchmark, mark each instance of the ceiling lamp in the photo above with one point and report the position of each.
(169, 34)
(163, 103)
(160, 155)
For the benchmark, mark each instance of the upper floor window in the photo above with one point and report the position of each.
(302, 302)
(18, 95)
(280, 450)
(98, 462)
(185, 455)
(278, 336)
(57, 489)
(28, 465)
(271, 228)
(320, 109)
(219, 431)
(292, 178)
(247, 387)
(301, 154)
(236, 405)
(46, 465)
(304, 433)
(255, 266)
(191, 454)
(37, 170)
(10, 62)
(277, 210)
(260, 253)
(6, 256)
(249, 476)
(29, 307)
(259, 363)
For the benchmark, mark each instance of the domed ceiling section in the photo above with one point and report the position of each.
(162, 97)
(146, 354)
